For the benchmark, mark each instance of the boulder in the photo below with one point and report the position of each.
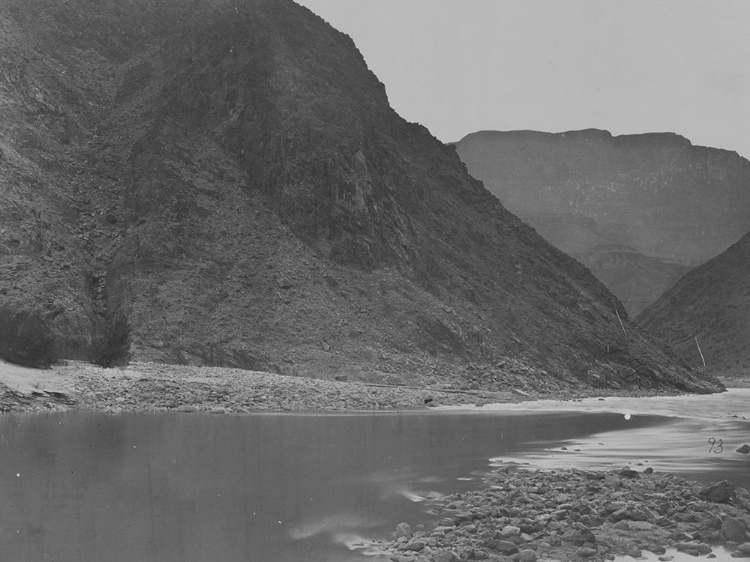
(510, 531)
(693, 547)
(718, 492)
(733, 529)
(402, 530)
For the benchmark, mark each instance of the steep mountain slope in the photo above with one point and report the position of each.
(712, 304)
(238, 187)
(670, 205)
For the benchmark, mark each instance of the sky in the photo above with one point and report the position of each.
(627, 66)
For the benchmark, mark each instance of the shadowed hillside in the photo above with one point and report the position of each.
(229, 178)
(712, 304)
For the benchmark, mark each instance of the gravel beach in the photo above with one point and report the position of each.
(570, 515)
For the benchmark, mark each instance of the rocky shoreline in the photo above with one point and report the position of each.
(160, 387)
(573, 515)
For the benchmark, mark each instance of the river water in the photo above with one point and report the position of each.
(81, 486)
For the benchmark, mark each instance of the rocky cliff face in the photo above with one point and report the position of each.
(671, 204)
(230, 177)
(710, 308)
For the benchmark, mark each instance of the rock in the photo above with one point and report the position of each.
(462, 516)
(718, 492)
(693, 547)
(629, 473)
(733, 529)
(415, 545)
(744, 549)
(402, 530)
(745, 449)
(445, 556)
(510, 531)
(641, 526)
(579, 535)
(586, 552)
(634, 552)
(285, 283)
(505, 547)
(527, 555)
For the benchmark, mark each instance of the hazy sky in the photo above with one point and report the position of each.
(628, 66)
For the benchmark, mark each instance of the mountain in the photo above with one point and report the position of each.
(710, 308)
(638, 210)
(229, 180)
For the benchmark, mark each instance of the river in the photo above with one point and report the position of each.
(81, 486)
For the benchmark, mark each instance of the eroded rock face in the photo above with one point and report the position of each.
(639, 210)
(245, 195)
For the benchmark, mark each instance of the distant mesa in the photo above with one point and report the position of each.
(674, 204)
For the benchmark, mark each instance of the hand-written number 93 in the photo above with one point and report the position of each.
(716, 446)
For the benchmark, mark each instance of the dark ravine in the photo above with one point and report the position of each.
(708, 312)
(230, 178)
(638, 210)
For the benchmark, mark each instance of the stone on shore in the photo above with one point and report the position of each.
(718, 492)
(445, 556)
(527, 515)
(733, 529)
(505, 547)
(402, 530)
(510, 531)
(693, 547)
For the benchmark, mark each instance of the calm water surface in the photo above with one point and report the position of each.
(268, 487)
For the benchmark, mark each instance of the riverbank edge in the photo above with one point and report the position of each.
(533, 515)
(158, 387)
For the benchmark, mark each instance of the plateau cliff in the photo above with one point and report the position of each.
(638, 210)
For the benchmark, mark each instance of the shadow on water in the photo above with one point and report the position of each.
(274, 487)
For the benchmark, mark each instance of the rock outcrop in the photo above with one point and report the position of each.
(230, 177)
(638, 210)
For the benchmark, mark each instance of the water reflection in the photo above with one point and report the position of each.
(278, 488)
